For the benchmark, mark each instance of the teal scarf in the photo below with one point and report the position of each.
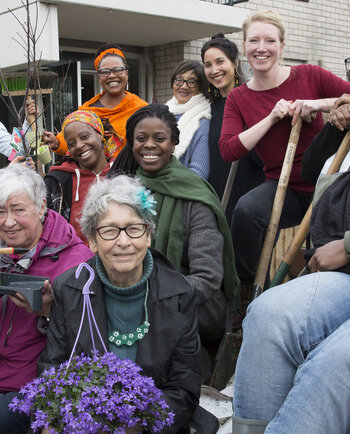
(170, 186)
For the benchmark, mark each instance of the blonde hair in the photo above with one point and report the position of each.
(268, 17)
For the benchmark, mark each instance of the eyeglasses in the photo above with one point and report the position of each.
(106, 72)
(347, 64)
(190, 83)
(109, 233)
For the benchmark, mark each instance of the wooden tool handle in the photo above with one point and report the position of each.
(228, 186)
(270, 236)
(12, 250)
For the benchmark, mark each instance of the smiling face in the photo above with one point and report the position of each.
(85, 145)
(219, 70)
(20, 221)
(114, 85)
(122, 257)
(184, 93)
(262, 46)
(152, 144)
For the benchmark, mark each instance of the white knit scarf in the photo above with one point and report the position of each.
(192, 112)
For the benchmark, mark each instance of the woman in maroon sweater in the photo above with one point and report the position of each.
(259, 115)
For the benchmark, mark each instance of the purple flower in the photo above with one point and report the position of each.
(93, 394)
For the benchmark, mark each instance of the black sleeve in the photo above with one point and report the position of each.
(59, 192)
(56, 350)
(324, 145)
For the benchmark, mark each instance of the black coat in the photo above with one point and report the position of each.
(169, 353)
(324, 145)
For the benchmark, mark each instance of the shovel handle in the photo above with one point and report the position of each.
(228, 186)
(270, 236)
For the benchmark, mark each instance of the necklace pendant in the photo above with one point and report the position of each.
(130, 338)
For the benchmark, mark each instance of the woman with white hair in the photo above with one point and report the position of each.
(144, 308)
(50, 246)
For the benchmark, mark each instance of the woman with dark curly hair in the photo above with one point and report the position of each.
(223, 70)
(191, 227)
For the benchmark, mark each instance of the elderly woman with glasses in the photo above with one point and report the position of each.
(191, 107)
(114, 105)
(134, 287)
(47, 246)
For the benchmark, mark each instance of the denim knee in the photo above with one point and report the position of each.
(266, 311)
(333, 354)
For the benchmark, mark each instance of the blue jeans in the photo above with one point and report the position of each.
(294, 363)
(250, 220)
(10, 422)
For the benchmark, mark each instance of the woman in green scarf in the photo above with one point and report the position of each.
(191, 228)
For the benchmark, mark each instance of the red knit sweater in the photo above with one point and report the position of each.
(245, 108)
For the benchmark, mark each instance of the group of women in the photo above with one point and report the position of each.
(162, 222)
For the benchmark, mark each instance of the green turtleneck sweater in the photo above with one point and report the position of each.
(125, 306)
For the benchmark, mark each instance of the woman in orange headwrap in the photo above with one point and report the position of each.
(114, 105)
(68, 181)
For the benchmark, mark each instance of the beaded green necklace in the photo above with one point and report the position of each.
(129, 339)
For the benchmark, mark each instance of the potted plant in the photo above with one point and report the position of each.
(92, 395)
(97, 394)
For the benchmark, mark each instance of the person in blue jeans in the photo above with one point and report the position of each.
(292, 374)
(293, 367)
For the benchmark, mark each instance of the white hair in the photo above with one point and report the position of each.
(122, 189)
(16, 179)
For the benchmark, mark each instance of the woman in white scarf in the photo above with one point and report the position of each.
(191, 106)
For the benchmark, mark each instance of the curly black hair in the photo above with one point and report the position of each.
(125, 162)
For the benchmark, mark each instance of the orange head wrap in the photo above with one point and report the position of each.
(102, 55)
(85, 116)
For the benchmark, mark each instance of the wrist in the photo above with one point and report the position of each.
(327, 105)
(271, 120)
(55, 144)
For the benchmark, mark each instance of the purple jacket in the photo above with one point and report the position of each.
(21, 343)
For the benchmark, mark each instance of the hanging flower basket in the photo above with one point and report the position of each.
(99, 394)
(92, 395)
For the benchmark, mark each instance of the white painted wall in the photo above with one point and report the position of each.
(13, 40)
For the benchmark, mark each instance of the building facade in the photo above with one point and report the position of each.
(318, 32)
(157, 35)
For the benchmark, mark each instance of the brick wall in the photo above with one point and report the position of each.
(318, 32)
(165, 58)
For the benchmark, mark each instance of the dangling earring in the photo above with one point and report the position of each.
(236, 79)
(209, 90)
(127, 86)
